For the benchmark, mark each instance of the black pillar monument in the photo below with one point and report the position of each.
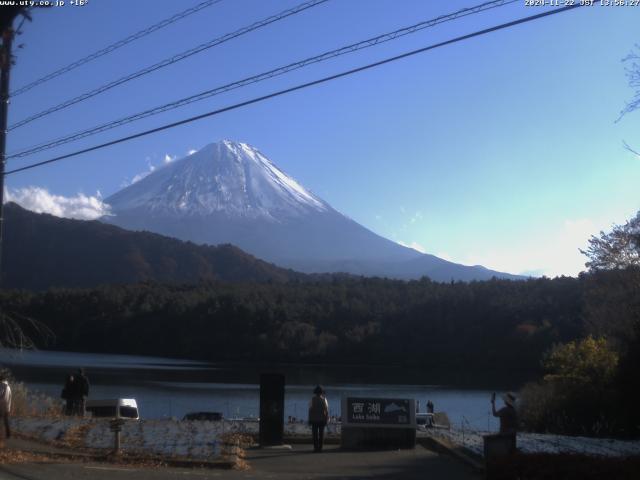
(271, 409)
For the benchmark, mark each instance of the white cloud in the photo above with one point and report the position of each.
(416, 217)
(191, 152)
(139, 176)
(167, 159)
(415, 245)
(37, 199)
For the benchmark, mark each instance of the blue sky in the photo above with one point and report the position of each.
(502, 150)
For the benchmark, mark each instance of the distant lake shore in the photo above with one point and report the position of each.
(171, 388)
(39, 365)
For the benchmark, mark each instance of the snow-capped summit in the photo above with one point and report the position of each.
(226, 177)
(229, 192)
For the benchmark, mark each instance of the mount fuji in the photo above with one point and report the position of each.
(229, 192)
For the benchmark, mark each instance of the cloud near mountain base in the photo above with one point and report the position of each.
(40, 200)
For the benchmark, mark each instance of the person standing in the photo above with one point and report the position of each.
(508, 417)
(318, 417)
(5, 404)
(81, 389)
(507, 414)
(69, 394)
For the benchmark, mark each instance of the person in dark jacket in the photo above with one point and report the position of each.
(68, 394)
(5, 404)
(507, 414)
(318, 417)
(508, 418)
(81, 392)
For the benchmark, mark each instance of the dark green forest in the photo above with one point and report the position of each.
(483, 329)
(497, 326)
(578, 339)
(41, 251)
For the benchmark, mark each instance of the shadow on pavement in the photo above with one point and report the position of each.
(418, 463)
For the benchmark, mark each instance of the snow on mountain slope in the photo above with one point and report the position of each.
(228, 192)
(225, 177)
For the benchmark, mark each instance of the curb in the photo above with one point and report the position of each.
(440, 446)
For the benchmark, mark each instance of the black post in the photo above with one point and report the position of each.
(5, 66)
(271, 409)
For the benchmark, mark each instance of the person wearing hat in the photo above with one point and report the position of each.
(507, 414)
(318, 417)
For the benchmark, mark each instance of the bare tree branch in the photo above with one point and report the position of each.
(19, 331)
(632, 70)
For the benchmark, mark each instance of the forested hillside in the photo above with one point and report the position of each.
(492, 326)
(42, 251)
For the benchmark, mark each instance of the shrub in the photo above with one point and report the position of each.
(26, 403)
(576, 396)
(582, 362)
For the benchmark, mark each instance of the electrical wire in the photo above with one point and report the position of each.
(262, 76)
(114, 46)
(299, 87)
(170, 61)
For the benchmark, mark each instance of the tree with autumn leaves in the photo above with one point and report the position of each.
(591, 384)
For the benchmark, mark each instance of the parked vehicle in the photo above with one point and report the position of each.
(432, 420)
(125, 408)
(424, 420)
(207, 416)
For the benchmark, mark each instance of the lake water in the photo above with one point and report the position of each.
(171, 388)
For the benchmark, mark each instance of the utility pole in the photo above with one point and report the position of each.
(5, 70)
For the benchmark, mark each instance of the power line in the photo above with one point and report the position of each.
(114, 46)
(170, 61)
(262, 76)
(298, 87)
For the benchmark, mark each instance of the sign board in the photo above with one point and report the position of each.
(378, 412)
(116, 424)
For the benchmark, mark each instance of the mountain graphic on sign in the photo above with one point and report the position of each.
(394, 407)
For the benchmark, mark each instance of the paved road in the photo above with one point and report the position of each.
(299, 463)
